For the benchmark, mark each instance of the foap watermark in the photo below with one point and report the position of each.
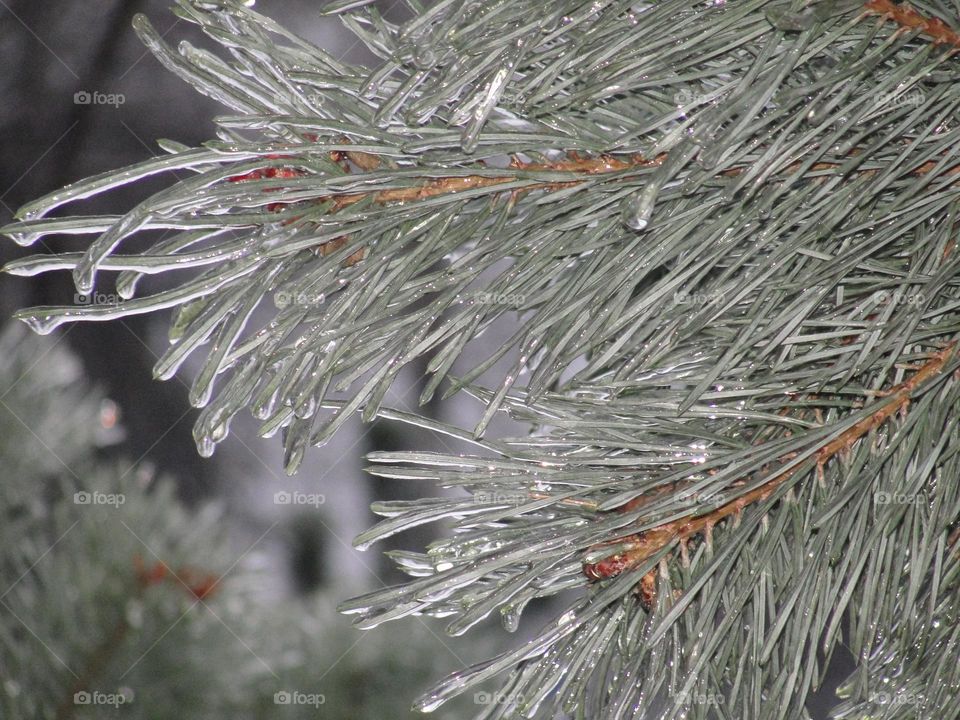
(508, 299)
(686, 96)
(298, 299)
(96, 697)
(701, 498)
(911, 98)
(496, 698)
(699, 298)
(99, 498)
(298, 498)
(499, 498)
(312, 99)
(97, 298)
(296, 697)
(699, 698)
(889, 297)
(95, 97)
(903, 698)
(882, 497)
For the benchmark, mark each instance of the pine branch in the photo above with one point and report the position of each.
(700, 214)
(638, 548)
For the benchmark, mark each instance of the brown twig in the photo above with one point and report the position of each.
(444, 186)
(954, 537)
(909, 19)
(197, 583)
(98, 661)
(641, 546)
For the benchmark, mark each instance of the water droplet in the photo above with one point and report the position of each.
(84, 275)
(425, 58)
(635, 211)
(43, 324)
(306, 408)
(24, 238)
(510, 617)
(263, 410)
(205, 447)
(429, 703)
(469, 143)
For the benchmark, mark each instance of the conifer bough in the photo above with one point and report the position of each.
(729, 232)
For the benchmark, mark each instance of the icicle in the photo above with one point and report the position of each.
(637, 209)
(490, 98)
(46, 319)
(107, 181)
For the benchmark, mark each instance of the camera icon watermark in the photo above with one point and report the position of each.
(686, 96)
(507, 299)
(492, 698)
(699, 299)
(691, 498)
(300, 299)
(284, 497)
(911, 98)
(95, 97)
(312, 99)
(96, 697)
(904, 698)
(887, 297)
(99, 498)
(97, 298)
(295, 697)
(698, 698)
(500, 498)
(882, 497)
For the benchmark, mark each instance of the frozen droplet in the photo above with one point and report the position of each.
(24, 238)
(709, 157)
(263, 410)
(510, 617)
(43, 324)
(635, 211)
(425, 58)
(219, 432)
(293, 457)
(429, 703)
(205, 446)
(306, 408)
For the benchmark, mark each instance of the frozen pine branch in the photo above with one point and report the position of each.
(729, 231)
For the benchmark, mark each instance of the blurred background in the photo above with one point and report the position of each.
(57, 54)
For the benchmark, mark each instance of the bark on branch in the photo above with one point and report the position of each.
(641, 546)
